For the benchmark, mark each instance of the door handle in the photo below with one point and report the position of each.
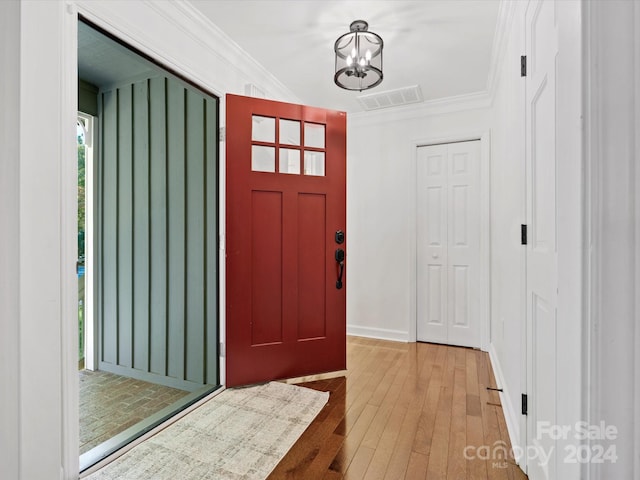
(340, 262)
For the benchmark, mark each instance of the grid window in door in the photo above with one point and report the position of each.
(295, 147)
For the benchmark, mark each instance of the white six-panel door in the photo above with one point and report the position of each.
(448, 244)
(542, 276)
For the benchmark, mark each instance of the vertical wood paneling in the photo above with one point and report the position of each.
(109, 269)
(125, 227)
(195, 208)
(141, 227)
(158, 226)
(158, 215)
(176, 169)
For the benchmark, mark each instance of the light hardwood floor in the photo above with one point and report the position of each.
(404, 411)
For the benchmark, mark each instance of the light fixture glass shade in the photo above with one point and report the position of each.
(358, 58)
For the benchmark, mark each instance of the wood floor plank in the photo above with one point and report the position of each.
(476, 467)
(439, 453)
(322, 461)
(332, 475)
(360, 463)
(403, 448)
(352, 442)
(374, 433)
(426, 422)
(417, 468)
(380, 461)
(472, 372)
(403, 411)
(456, 463)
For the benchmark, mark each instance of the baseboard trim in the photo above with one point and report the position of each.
(513, 423)
(378, 333)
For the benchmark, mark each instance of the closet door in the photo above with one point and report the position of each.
(448, 244)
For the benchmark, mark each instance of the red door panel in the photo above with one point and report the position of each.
(286, 199)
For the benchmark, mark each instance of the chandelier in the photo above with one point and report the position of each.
(358, 58)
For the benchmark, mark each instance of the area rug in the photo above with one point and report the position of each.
(240, 434)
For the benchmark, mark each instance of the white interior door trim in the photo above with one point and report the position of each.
(485, 228)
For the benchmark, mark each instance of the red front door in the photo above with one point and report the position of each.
(286, 219)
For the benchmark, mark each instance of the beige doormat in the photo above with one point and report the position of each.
(240, 434)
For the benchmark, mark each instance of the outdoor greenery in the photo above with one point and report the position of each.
(81, 199)
(81, 228)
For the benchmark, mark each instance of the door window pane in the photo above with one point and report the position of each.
(313, 135)
(314, 163)
(263, 129)
(289, 161)
(263, 159)
(289, 132)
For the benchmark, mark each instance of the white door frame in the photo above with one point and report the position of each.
(485, 229)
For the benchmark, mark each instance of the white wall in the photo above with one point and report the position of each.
(381, 153)
(38, 413)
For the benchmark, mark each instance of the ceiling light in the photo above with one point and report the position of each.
(358, 58)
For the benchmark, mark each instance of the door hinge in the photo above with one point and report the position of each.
(524, 404)
(523, 234)
(523, 66)
(221, 350)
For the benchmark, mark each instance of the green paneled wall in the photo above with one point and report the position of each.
(157, 230)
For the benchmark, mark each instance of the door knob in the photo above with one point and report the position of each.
(435, 255)
(340, 262)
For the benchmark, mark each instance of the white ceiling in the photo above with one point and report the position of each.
(442, 45)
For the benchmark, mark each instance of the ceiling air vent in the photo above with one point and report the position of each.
(391, 98)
